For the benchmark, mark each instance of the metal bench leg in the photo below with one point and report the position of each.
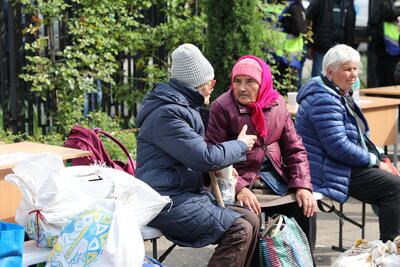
(165, 254)
(363, 221)
(340, 247)
(154, 243)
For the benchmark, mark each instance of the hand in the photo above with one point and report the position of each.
(246, 198)
(385, 166)
(249, 140)
(306, 200)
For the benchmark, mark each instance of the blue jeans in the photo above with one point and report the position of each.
(317, 63)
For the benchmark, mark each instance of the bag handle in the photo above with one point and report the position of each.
(98, 130)
(216, 189)
(278, 221)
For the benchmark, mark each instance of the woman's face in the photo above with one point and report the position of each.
(245, 89)
(344, 76)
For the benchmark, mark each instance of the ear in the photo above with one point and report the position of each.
(329, 73)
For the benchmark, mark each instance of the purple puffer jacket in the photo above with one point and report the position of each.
(284, 147)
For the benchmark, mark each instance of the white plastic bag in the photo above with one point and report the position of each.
(52, 194)
(371, 254)
(48, 198)
(226, 183)
(106, 234)
(388, 254)
(142, 200)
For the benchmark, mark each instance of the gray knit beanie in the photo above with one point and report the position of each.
(190, 67)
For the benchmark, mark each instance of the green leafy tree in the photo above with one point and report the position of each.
(99, 34)
(235, 28)
(241, 27)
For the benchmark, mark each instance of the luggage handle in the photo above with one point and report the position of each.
(98, 130)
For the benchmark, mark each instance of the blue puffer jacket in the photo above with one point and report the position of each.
(172, 157)
(331, 137)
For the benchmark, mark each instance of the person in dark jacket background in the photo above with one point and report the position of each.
(381, 25)
(343, 160)
(278, 159)
(332, 22)
(173, 158)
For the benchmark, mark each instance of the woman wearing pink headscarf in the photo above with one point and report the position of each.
(278, 160)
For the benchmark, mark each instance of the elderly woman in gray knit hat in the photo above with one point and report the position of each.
(173, 158)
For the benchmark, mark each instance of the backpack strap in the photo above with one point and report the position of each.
(97, 130)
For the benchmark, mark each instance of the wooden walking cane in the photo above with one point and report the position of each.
(216, 189)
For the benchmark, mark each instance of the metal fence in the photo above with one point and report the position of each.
(20, 109)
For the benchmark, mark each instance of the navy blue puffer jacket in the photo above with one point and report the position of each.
(172, 157)
(331, 138)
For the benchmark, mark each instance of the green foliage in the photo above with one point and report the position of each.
(99, 33)
(8, 137)
(245, 27)
(235, 28)
(94, 120)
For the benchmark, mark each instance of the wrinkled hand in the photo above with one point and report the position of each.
(246, 198)
(385, 166)
(305, 199)
(249, 140)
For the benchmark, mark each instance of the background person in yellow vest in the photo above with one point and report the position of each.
(292, 22)
(397, 70)
(384, 41)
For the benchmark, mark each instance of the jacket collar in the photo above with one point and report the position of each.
(194, 98)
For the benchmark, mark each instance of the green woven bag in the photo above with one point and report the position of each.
(284, 244)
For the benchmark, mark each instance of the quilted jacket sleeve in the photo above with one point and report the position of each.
(328, 116)
(185, 145)
(218, 131)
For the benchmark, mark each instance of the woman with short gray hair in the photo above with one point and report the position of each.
(343, 160)
(339, 55)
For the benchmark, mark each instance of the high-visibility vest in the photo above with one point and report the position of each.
(391, 38)
(293, 46)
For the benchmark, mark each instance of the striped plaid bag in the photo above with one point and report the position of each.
(284, 244)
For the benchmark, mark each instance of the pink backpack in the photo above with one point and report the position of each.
(87, 139)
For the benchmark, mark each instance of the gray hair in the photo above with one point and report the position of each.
(338, 55)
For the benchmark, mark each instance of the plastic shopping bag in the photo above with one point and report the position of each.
(11, 244)
(106, 234)
(102, 182)
(48, 198)
(283, 243)
(226, 183)
(53, 193)
(370, 254)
